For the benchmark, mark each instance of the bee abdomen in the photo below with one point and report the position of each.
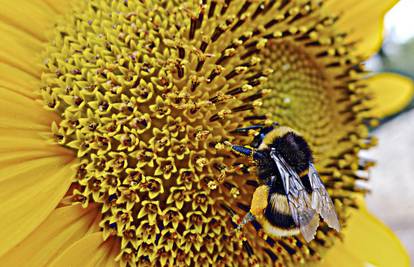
(278, 219)
(277, 212)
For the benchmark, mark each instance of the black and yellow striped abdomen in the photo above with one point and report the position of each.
(277, 219)
(280, 219)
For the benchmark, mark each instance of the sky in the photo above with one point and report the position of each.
(399, 22)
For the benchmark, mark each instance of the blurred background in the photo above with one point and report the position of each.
(392, 179)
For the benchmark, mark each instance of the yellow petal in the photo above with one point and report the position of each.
(23, 135)
(363, 20)
(19, 104)
(19, 81)
(29, 191)
(339, 256)
(34, 16)
(60, 6)
(21, 142)
(367, 243)
(14, 159)
(89, 251)
(19, 49)
(391, 92)
(24, 26)
(16, 108)
(60, 230)
(112, 250)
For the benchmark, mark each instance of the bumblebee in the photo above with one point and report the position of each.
(291, 195)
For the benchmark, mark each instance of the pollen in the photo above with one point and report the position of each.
(148, 92)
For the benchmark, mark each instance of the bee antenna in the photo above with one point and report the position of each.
(246, 151)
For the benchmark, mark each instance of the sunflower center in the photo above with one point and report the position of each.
(302, 96)
(147, 92)
(144, 114)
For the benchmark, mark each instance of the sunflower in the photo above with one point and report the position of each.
(114, 114)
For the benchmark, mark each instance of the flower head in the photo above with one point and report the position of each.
(140, 97)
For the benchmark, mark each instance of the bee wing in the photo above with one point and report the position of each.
(299, 202)
(321, 202)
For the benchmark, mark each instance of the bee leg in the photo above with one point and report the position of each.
(246, 151)
(246, 219)
(248, 248)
